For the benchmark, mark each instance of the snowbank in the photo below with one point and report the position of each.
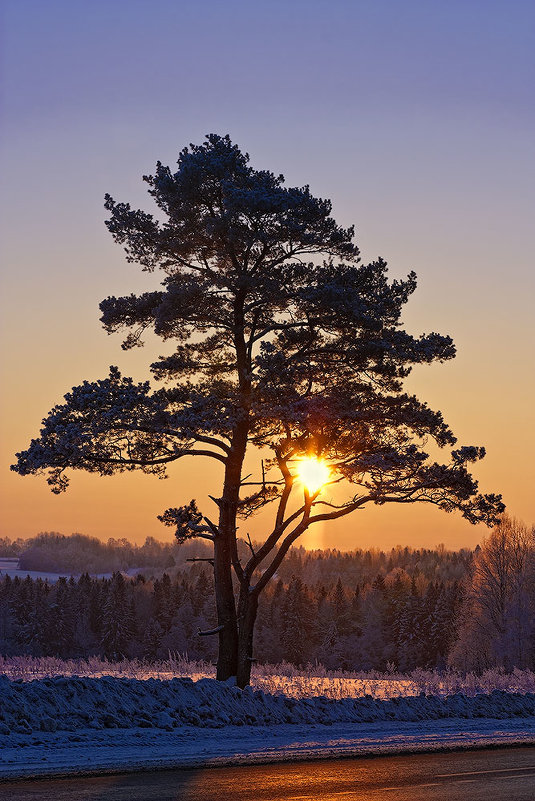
(89, 752)
(71, 703)
(85, 725)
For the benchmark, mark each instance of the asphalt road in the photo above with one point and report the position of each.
(494, 775)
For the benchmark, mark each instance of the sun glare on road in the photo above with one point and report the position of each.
(313, 473)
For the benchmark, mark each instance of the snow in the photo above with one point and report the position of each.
(284, 678)
(70, 703)
(73, 724)
(9, 566)
(86, 751)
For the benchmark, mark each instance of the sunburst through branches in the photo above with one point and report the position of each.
(313, 473)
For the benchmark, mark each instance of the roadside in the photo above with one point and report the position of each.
(86, 751)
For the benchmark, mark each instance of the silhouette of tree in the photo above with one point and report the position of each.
(284, 341)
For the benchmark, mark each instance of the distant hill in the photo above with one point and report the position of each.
(78, 553)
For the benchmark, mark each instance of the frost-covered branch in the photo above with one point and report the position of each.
(187, 522)
(113, 425)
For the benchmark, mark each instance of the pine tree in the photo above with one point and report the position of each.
(296, 620)
(117, 623)
(285, 342)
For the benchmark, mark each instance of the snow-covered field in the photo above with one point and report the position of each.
(9, 566)
(83, 723)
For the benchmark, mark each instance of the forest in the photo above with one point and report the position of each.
(362, 610)
(56, 553)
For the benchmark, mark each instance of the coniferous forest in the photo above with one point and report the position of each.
(364, 610)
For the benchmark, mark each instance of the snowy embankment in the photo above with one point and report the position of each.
(75, 703)
(69, 725)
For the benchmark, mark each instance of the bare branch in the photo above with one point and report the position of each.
(262, 483)
(283, 550)
(163, 460)
(250, 544)
(210, 631)
(236, 564)
(204, 536)
(343, 511)
(205, 453)
(212, 526)
(212, 441)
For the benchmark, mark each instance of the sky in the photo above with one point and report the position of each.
(415, 118)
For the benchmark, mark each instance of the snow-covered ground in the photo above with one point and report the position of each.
(69, 724)
(87, 751)
(9, 566)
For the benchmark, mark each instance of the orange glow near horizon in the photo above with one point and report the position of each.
(428, 151)
(313, 473)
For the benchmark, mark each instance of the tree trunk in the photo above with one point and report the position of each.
(227, 659)
(225, 539)
(247, 609)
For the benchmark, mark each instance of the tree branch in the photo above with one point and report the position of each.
(210, 631)
(163, 460)
(285, 545)
(212, 441)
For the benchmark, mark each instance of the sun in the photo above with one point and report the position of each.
(313, 473)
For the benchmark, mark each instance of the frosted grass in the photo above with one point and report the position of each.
(283, 679)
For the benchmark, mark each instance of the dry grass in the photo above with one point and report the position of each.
(313, 680)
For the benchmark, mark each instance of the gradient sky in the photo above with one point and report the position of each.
(415, 117)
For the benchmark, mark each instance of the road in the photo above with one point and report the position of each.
(492, 775)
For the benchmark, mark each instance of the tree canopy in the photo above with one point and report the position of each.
(282, 340)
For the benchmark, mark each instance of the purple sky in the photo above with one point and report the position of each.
(415, 118)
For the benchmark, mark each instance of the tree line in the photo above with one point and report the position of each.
(78, 553)
(53, 552)
(407, 609)
(344, 627)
